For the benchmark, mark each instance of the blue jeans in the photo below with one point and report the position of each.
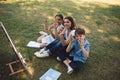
(54, 46)
(63, 55)
(76, 65)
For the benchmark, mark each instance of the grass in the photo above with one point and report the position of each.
(23, 20)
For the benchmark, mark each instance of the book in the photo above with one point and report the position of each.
(48, 39)
(51, 74)
(33, 44)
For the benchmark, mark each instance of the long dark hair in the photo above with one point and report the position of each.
(72, 22)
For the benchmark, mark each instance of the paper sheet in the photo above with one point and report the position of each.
(34, 44)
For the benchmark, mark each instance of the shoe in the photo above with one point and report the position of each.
(42, 50)
(44, 54)
(70, 70)
(58, 59)
(39, 52)
(36, 53)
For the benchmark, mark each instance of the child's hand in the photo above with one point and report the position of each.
(81, 41)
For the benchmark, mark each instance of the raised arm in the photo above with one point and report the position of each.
(55, 27)
(81, 42)
(63, 41)
(46, 24)
(51, 31)
(69, 47)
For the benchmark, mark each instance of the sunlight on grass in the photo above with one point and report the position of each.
(55, 9)
(10, 1)
(50, 17)
(87, 17)
(111, 2)
(100, 30)
(17, 41)
(31, 69)
(69, 13)
(77, 2)
(13, 1)
(57, 66)
(115, 38)
(24, 76)
(87, 30)
(103, 5)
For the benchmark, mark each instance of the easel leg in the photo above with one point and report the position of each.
(11, 68)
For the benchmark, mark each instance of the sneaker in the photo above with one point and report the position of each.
(44, 54)
(42, 50)
(36, 53)
(58, 59)
(39, 52)
(70, 70)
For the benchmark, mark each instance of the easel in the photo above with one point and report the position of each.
(18, 55)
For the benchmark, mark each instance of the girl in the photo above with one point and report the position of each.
(53, 34)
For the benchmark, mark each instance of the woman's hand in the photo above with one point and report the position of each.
(71, 38)
(63, 32)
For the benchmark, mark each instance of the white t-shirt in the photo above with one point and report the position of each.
(71, 33)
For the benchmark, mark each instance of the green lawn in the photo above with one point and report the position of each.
(23, 20)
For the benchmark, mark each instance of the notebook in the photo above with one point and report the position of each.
(51, 74)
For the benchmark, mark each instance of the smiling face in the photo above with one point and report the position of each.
(59, 20)
(67, 23)
(80, 36)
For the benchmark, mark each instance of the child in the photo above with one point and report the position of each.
(58, 24)
(77, 51)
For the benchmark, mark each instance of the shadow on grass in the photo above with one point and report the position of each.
(6, 54)
(24, 19)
